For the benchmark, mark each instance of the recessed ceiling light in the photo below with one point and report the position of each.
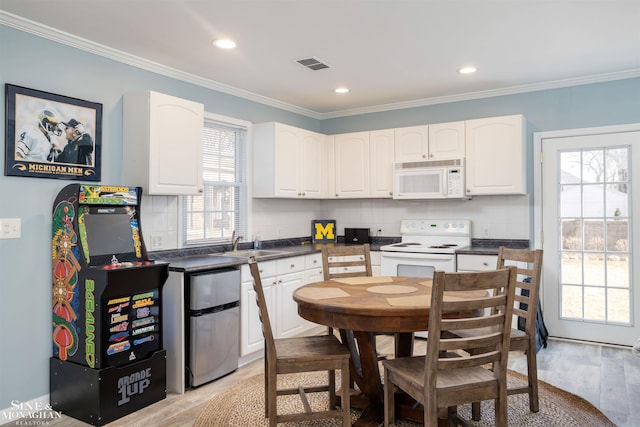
(341, 90)
(224, 43)
(467, 70)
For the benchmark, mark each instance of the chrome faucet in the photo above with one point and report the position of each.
(234, 241)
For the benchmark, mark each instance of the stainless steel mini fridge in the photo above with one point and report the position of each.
(213, 344)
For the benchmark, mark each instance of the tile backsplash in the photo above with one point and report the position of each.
(492, 217)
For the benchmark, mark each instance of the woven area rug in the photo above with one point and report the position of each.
(243, 405)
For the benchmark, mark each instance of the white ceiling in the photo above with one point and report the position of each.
(390, 53)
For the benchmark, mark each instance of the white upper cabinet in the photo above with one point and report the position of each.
(495, 156)
(288, 162)
(381, 152)
(432, 142)
(162, 143)
(446, 140)
(351, 160)
(411, 144)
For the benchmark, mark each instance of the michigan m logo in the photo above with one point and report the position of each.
(324, 231)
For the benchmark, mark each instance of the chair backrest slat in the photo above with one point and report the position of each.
(335, 259)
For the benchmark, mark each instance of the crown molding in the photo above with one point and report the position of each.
(556, 84)
(62, 37)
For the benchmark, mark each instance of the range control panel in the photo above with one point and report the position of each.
(438, 227)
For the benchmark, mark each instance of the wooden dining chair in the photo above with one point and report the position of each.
(529, 267)
(346, 261)
(300, 354)
(448, 375)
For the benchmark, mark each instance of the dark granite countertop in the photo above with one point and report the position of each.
(210, 258)
(490, 246)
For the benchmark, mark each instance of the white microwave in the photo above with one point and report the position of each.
(430, 179)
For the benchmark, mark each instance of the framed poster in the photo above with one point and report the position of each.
(51, 136)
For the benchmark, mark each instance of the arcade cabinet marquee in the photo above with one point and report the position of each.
(108, 359)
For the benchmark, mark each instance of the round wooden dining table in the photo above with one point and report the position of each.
(360, 307)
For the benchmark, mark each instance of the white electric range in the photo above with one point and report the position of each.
(426, 245)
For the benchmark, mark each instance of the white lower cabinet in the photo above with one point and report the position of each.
(468, 262)
(251, 338)
(375, 263)
(280, 279)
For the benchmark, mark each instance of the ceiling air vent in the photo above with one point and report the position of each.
(312, 63)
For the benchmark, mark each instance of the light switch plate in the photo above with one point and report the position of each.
(10, 228)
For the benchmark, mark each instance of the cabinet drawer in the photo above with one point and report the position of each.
(266, 268)
(313, 261)
(477, 262)
(290, 265)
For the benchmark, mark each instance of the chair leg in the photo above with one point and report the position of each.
(346, 395)
(431, 412)
(452, 416)
(266, 391)
(272, 401)
(389, 401)
(332, 389)
(501, 407)
(475, 411)
(532, 373)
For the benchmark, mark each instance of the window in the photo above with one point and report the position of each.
(213, 216)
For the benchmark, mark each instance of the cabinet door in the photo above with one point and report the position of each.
(495, 162)
(312, 164)
(351, 153)
(175, 145)
(411, 144)
(288, 322)
(251, 337)
(287, 161)
(381, 149)
(446, 141)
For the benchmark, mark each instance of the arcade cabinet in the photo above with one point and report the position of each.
(108, 360)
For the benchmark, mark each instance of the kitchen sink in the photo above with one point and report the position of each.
(257, 253)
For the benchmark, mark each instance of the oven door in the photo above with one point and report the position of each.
(413, 264)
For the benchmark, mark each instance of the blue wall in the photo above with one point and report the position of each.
(598, 104)
(34, 62)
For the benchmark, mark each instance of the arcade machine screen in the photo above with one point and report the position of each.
(109, 233)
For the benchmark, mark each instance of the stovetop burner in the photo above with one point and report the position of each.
(432, 236)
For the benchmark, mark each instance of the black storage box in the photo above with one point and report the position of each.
(356, 236)
(99, 396)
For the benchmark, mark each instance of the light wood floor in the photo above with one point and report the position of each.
(608, 377)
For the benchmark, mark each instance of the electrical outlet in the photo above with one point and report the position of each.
(485, 232)
(156, 241)
(10, 228)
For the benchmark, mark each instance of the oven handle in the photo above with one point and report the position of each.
(414, 255)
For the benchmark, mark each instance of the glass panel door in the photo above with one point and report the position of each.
(589, 241)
